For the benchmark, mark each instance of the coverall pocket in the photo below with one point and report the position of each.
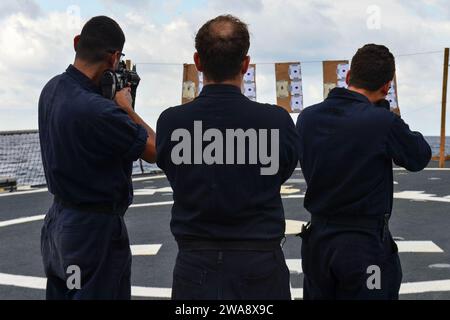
(268, 279)
(82, 246)
(188, 282)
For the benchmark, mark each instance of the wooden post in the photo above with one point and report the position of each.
(444, 106)
(128, 64)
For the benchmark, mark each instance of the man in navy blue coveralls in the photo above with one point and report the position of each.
(88, 145)
(227, 217)
(347, 146)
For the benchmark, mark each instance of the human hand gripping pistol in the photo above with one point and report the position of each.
(124, 76)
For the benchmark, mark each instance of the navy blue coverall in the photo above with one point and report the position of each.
(227, 219)
(88, 145)
(347, 146)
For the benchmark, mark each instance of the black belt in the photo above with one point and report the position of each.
(375, 222)
(106, 208)
(233, 245)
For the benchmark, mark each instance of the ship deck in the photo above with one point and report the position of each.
(420, 224)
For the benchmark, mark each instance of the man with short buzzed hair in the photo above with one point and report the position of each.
(227, 217)
(88, 145)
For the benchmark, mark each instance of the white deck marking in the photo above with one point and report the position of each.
(155, 292)
(18, 193)
(21, 220)
(287, 189)
(161, 176)
(151, 204)
(439, 266)
(297, 293)
(22, 281)
(425, 286)
(294, 266)
(420, 196)
(151, 192)
(293, 196)
(40, 283)
(151, 292)
(293, 226)
(145, 249)
(418, 246)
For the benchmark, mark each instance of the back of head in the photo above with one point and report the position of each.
(100, 35)
(372, 67)
(222, 44)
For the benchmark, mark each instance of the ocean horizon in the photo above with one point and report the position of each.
(20, 157)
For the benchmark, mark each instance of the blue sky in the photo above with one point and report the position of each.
(36, 42)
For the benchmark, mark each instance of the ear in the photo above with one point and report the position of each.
(113, 60)
(197, 62)
(75, 42)
(347, 77)
(245, 65)
(385, 88)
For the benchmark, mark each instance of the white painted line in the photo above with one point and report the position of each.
(22, 281)
(161, 176)
(425, 286)
(294, 265)
(296, 293)
(18, 193)
(287, 189)
(151, 204)
(40, 283)
(294, 226)
(293, 196)
(145, 249)
(21, 220)
(418, 246)
(420, 196)
(151, 191)
(439, 266)
(155, 292)
(151, 292)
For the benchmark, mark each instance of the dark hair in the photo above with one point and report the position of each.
(222, 44)
(100, 35)
(372, 67)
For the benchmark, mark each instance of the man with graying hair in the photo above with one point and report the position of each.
(226, 158)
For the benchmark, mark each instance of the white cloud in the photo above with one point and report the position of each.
(26, 7)
(37, 45)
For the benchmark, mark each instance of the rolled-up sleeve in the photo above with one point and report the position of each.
(117, 135)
